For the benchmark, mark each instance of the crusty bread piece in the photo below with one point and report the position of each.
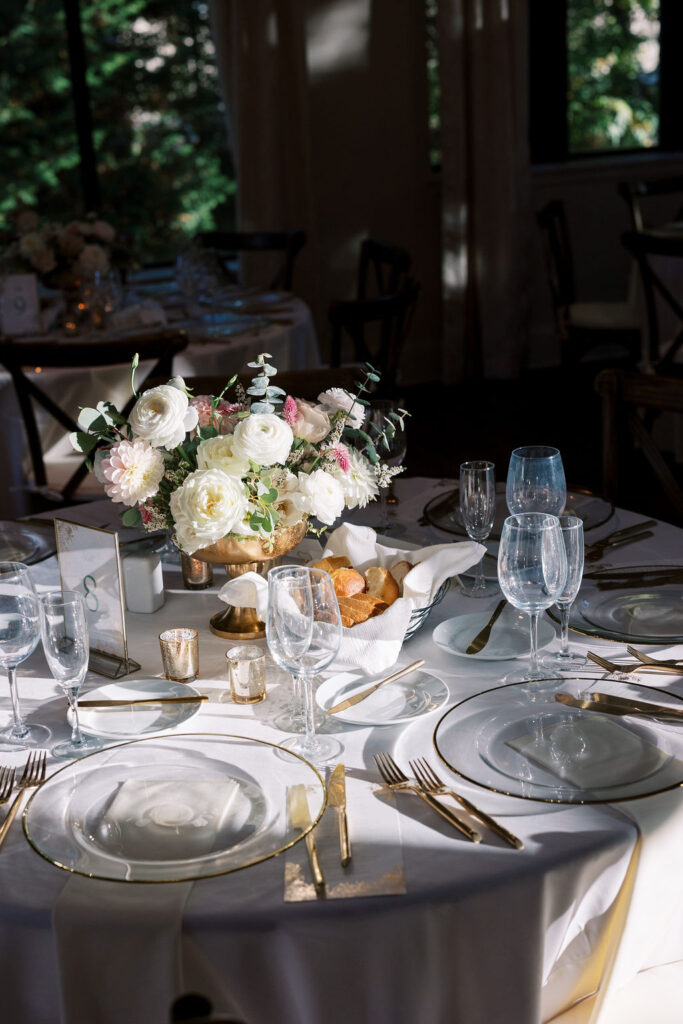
(346, 621)
(399, 571)
(347, 582)
(374, 605)
(381, 584)
(360, 608)
(332, 563)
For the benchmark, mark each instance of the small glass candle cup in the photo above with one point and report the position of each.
(180, 654)
(197, 575)
(247, 674)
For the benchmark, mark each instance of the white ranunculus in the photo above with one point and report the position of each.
(336, 398)
(162, 416)
(208, 505)
(359, 484)
(131, 472)
(285, 504)
(319, 494)
(218, 453)
(264, 438)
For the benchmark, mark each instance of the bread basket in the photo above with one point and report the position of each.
(420, 615)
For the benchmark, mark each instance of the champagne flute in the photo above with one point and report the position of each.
(65, 642)
(532, 570)
(565, 660)
(19, 636)
(478, 511)
(303, 629)
(535, 480)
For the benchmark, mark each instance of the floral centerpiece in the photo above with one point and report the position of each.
(60, 254)
(247, 467)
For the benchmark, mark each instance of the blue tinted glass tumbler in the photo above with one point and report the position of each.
(535, 481)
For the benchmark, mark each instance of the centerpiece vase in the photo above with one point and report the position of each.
(239, 556)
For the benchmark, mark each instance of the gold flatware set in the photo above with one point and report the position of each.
(358, 697)
(618, 539)
(643, 664)
(32, 776)
(613, 705)
(103, 705)
(299, 815)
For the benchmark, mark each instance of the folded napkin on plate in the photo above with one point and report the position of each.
(374, 645)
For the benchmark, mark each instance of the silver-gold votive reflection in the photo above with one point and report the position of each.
(180, 654)
(197, 575)
(247, 674)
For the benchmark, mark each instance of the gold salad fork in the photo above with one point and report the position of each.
(6, 783)
(611, 666)
(33, 775)
(655, 662)
(431, 783)
(393, 777)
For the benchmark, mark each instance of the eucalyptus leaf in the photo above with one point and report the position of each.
(131, 517)
(262, 407)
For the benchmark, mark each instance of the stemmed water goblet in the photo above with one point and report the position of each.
(535, 480)
(478, 511)
(565, 660)
(303, 629)
(65, 642)
(19, 636)
(389, 434)
(532, 571)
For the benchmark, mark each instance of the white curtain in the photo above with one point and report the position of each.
(486, 215)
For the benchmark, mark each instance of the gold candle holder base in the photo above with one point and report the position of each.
(239, 623)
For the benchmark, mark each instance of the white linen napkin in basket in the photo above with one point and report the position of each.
(374, 645)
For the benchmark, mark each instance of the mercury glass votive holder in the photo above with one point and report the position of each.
(180, 654)
(197, 575)
(247, 674)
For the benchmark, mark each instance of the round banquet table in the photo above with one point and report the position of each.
(485, 934)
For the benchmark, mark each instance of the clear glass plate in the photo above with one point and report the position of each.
(20, 542)
(415, 694)
(519, 741)
(136, 720)
(509, 637)
(623, 605)
(444, 510)
(171, 808)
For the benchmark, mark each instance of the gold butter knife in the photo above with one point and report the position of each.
(336, 794)
(104, 704)
(482, 638)
(300, 817)
(358, 697)
(612, 705)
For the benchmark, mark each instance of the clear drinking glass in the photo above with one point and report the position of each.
(66, 646)
(19, 636)
(535, 481)
(532, 571)
(478, 511)
(382, 414)
(303, 630)
(565, 660)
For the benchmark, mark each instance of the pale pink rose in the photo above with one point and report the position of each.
(104, 231)
(27, 220)
(202, 403)
(43, 260)
(93, 258)
(311, 423)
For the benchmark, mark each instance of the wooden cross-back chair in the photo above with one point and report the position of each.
(624, 397)
(634, 192)
(644, 245)
(17, 357)
(231, 243)
(382, 268)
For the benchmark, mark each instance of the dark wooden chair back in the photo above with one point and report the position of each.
(557, 252)
(16, 356)
(643, 245)
(634, 192)
(230, 243)
(382, 269)
(625, 397)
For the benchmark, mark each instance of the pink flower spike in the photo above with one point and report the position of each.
(289, 411)
(340, 453)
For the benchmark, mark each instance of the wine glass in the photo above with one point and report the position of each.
(303, 629)
(535, 481)
(565, 660)
(478, 511)
(65, 642)
(389, 435)
(19, 635)
(532, 571)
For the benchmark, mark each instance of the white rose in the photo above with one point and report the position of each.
(335, 399)
(285, 504)
(162, 416)
(264, 438)
(359, 485)
(207, 506)
(319, 495)
(218, 453)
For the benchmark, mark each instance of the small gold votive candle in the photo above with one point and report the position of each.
(197, 575)
(247, 674)
(180, 654)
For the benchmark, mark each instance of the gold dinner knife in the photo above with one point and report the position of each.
(300, 817)
(104, 704)
(358, 697)
(612, 705)
(336, 794)
(482, 638)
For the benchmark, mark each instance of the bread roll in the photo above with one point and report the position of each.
(360, 608)
(399, 571)
(347, 582)
(381, 584)
(330, 564)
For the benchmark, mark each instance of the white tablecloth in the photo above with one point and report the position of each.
(484, 934)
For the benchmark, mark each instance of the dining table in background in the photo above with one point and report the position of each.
(569, 929)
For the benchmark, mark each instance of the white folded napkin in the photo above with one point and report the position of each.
(374, 645)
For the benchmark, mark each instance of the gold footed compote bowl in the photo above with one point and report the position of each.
(240, 555)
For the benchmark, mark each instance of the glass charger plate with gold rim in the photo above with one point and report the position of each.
(21, 542)
(630, 604)
(171, 808)
(443, 511)
(517, 740)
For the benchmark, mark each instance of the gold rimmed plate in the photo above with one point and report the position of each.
(171, 808)
(518, 740)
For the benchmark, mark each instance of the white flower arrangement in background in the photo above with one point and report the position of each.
(207, 468)
(60, 254)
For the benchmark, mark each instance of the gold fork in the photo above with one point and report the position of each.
(6, 783)
(431, 783)
(33, 775)
(670, 663)
(394, 778)
(626, 670)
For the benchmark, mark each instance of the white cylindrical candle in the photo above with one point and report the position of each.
(143, 581)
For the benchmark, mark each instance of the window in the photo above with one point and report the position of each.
(115, 104)
(604, 76)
